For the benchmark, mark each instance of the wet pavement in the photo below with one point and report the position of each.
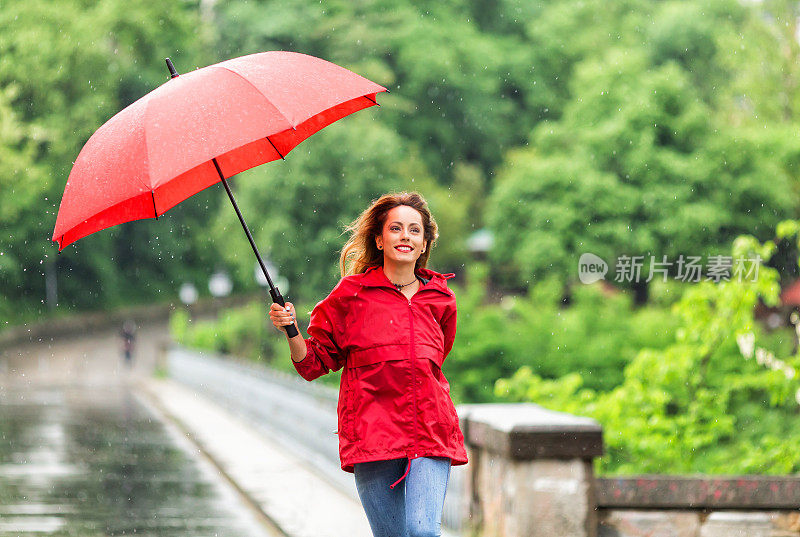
(97, 460)
(90, 447)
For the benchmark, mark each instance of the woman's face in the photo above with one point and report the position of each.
(403, 237)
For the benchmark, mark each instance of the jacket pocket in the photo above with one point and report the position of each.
(446, 417)
(378, 387)
(434, 354)
(345, 409)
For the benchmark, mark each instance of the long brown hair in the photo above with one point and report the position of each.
(360, 252)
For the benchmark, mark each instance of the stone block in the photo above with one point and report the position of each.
(531, 471)
(525, 431)
(632, 523)
(535, 498)
(711, 493)
(787, 521)
(737, 524)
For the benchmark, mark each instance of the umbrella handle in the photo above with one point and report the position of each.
(291, 330)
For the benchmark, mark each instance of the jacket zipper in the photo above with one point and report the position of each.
(413, 375)
(413, 393)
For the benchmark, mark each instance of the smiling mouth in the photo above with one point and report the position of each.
(403, 248)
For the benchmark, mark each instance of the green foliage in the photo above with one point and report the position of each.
(762, 67)
(596, 336)
(239, 331)
(71, 66)
(635, 165)
(244, 332)
(566, 126)
(22, 181)
(704, 403)
(456, 90)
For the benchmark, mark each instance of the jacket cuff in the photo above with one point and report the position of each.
(303, 366)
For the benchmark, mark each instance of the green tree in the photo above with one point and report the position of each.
(762, 62)
(74, 64)
(635, 166)
(456, 91)
(22, 181)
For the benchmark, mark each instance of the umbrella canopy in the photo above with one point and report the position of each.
(199, 128)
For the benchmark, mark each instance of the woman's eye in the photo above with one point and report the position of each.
(394, 228)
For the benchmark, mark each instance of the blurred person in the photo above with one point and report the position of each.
(128, 334)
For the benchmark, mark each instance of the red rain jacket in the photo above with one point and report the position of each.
(394, 401)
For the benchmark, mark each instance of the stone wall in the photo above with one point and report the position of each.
(530, 471)
(698, 523)
(531, 474)
(765, 506)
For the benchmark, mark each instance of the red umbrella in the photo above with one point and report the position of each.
(199, 129)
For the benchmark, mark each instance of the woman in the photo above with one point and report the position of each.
(390, 322)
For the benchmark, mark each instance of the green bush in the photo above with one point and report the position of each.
(596, 335)
(716, 400)
(244, 332)
(239, 331)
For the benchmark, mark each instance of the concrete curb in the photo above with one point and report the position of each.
(151, 398)
(289, 496)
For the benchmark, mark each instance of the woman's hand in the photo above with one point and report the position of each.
(281, 316)
(284, 316)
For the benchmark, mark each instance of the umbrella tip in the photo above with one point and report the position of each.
(172, 72)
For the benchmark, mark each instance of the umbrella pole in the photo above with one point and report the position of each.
(291, 330)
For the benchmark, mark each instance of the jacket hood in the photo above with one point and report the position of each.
(375, 277)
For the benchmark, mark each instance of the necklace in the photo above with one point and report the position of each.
(401, 285)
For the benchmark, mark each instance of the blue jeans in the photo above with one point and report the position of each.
(413, 508)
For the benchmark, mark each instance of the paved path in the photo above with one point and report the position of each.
(84, 452)
(279, 484)
(279, 488)
(288, 495)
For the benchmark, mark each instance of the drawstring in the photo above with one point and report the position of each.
(408, 467)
